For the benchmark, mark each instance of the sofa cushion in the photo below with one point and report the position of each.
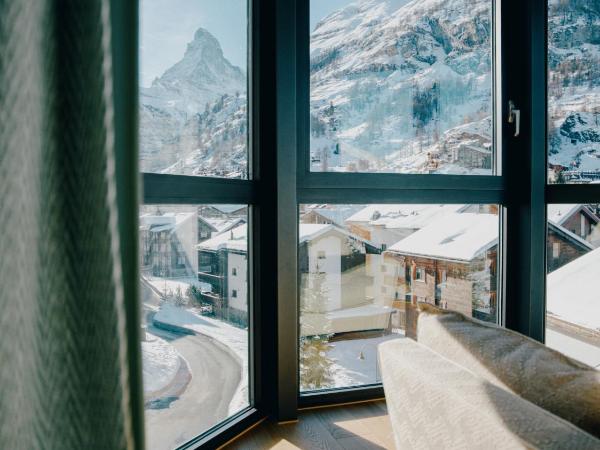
(549, 379)
(434, 403)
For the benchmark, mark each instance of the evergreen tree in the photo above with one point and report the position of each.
(316, 370)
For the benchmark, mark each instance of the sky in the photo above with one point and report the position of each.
(166, 27)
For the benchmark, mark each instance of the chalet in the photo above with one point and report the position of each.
(473, 157)
(333, 279)
(211, 227)
(384, 225)
(327, 215)
(451, 263)
(579, 219)
(223, 265)
(168, 244)
(563, 246)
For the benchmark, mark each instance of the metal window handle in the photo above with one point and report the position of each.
(514, 116)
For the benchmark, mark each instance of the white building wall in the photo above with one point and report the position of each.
(389, 236)
(330, 265)
(237, 282)
(187, 235)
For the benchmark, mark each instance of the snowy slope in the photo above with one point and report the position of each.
(574, 84)
(393, 81)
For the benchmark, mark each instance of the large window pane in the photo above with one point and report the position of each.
(573, 281)
(193, 87)
(573, 91)
(401, 86)
(363, 268)
(194, 284)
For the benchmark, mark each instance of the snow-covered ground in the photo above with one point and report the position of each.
(160, 363)
(235, 339)
(170, 285)
(356, 360)
(574, 348)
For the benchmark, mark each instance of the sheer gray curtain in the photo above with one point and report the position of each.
(65, 359)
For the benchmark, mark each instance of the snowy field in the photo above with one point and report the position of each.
(160, 363)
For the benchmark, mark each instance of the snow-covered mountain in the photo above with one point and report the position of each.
(396, 86)
(193, 118)
(401, 86)
(574, 90)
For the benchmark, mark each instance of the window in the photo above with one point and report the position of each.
(573, 84)
(403, 87)
(193, 88)
(192, 295)
(195, 100)
(344, 309)
(387, 164)
(573, 317)
(555, 249)
(573, 151)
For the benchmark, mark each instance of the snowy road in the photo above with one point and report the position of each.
(205, 401)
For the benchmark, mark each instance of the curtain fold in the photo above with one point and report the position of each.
(65, 380)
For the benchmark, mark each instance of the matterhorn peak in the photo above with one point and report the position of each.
(203, 34)
(205, 43)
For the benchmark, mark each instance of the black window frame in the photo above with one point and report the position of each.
(254, 192)
(280, 180)
(364, 188)
(554, 193)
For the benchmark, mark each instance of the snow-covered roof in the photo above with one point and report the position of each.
(403, 216)
(459, 237)
(337, 214)
(236, 238)
(227, 209)
(559, 213)
(573, 291)
(166, 222)
(222, 225)
(309, 231)
(369, 212)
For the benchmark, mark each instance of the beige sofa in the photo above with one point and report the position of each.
(465, 384)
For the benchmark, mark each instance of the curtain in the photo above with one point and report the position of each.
(65, 348)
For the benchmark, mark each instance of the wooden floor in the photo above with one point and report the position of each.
(359, 426)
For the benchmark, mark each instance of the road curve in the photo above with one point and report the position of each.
(205, 402)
